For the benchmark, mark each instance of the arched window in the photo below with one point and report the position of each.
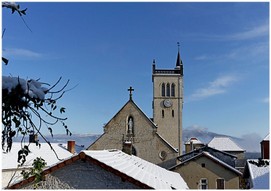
(173, 90)
(163, 155)
(168, 89)
(130, 129)
(163, 90)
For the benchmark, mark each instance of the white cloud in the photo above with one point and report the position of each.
(202, 57)
(218, 86)
(197, 128)
(257, 31)
(254, 51)
(253, 32)
(21, 53)
(265, 100)
(251, 142)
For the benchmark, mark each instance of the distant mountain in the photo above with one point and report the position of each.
(83, 140)
(204, 135)
(201, 134)
(251, 143)
(80, 139)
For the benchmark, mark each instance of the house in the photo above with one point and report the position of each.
(257, 172)
(105, 169)
(226, 144)
(223, 156)
(208, 168)
(265, 148)
(11, 171)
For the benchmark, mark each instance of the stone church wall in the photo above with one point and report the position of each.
(146, 142)
(167, 122)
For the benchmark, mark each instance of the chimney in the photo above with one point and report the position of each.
(127, 147)
(33, 138)
(265, 149)
(71, 146)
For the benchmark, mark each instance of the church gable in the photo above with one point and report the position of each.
(129, 123)
(130, 120)
(131, 130)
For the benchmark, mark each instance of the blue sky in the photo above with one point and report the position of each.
(107, 47)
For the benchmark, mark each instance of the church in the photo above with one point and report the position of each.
(155, 139)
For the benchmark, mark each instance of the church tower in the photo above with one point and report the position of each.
(168, 102)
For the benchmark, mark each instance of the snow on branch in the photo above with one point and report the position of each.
(32, 88)
(29, 105)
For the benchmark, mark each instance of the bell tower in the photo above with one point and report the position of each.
(168, 102)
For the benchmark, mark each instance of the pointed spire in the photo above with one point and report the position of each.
(179, 62)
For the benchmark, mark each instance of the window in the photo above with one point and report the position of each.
(163, 155)
(203, 184)
(203, 165)
(163, 114)
(172, 113)
(163, 92)
(130, 129)
(173, 90)
(168, 89)
(220, 183)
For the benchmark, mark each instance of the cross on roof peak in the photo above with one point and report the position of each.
(131, 90)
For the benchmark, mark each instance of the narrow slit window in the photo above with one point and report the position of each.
(173, 90)
(163, 90)
(168, 90)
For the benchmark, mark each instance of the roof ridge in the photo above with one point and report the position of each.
(214, 143)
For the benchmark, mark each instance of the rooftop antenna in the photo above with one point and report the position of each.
(178, 44)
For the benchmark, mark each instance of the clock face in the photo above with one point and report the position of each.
(167, 103)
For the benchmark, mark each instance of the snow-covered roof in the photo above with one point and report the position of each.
(9, 160)
(259, 175)
(224, 144)
(212, 157)
(221, 162)
(194, 141)
(139, 169)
